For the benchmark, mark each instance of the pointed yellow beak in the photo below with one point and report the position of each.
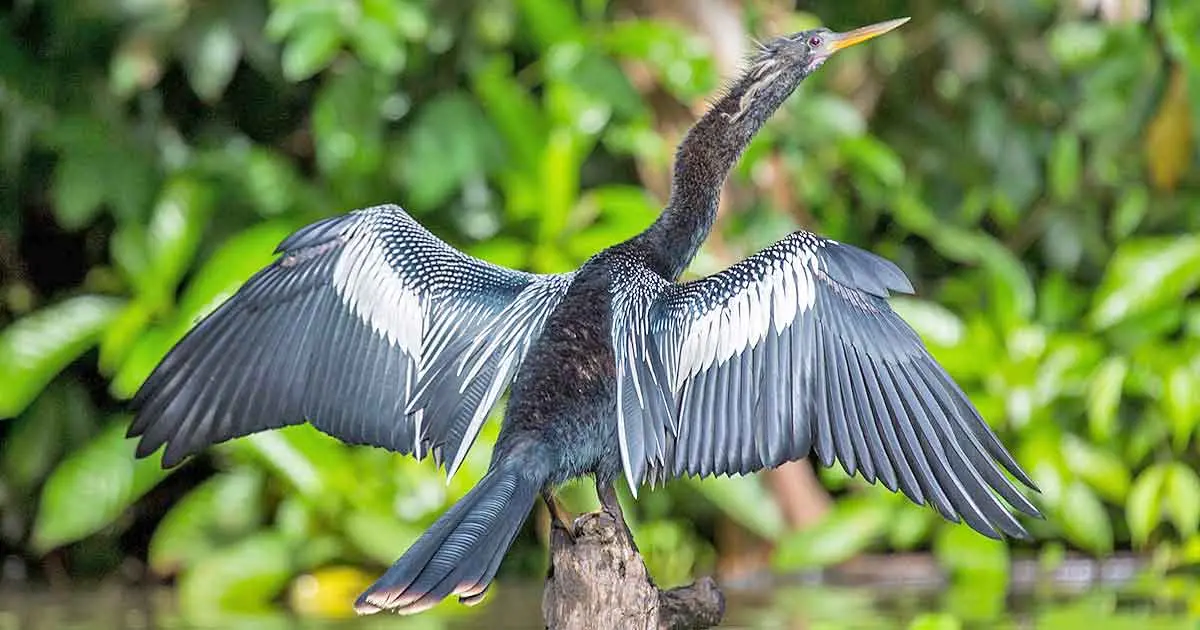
(860, 35)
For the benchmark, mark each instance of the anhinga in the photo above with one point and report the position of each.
(376, 332)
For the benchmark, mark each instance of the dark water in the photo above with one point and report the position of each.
(796, 606)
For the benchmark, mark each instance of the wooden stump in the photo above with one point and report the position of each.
(600, 581)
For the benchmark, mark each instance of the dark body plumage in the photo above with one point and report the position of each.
(378, 333)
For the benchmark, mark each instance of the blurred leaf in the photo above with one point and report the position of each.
(347, 124)
(680, 58)
(211, 52)
(1169, 140)
(100, 162)
(35, 348)
(1144, 274)
(242, 578)
(122, 334)
(310, 49)
(1065, 167)
(1101, 469)
(173, 236)
(968, 555)
(744, 500)
(39, 436)
(449, 141)
(910, 526)
(1130, 212)
(312, 463)
(512, 111)
(221, 510)
(92, 487)
(1084, 520)
(379, 536)
(1181, 401)
(935, 621)
(1104, 397)
(328, 592)
(1181, 495)
(852, 526)
(549, 21)
(1143, 509)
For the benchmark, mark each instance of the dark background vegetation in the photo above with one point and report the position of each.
(1031, 164)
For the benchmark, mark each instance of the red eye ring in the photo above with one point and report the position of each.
(815, 41)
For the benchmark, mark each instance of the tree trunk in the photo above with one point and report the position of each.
(600, 581)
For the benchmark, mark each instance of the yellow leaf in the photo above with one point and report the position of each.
(328, 593)
(1169, 135)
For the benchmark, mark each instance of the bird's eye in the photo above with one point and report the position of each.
(815, 42)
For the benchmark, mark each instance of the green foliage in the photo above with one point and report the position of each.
(1032, 170)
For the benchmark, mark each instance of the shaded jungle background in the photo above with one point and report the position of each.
(1031, 164)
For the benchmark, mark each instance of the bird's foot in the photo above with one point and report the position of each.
(612, 507)
(560, 519)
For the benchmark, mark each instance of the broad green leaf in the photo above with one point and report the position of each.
(211, 52)
(1011, 287)
(1101, 469)
(1064, 167)
(935, 621)
(935, 323)
(910, 526)
(221, 510)
(512, 111)
(39, 436)
(1084, 519)
(560, 166)
(1181, 496)
(683, 63)
(1145, 274)
(1104, 397)
(1131, 209)
(852, 526)
(92, 487)
(967, 555)
(122, 334)
(78, 192)
(1143, 508)
(449, 141)
(242, 578)
(311, 48)
(1181, 402)
(549, 21)
(312, 463)
(35, 348)
(347, 124)
(382, 537)
(379, 46)
(746, 501)
(869, 155)
(176, 226)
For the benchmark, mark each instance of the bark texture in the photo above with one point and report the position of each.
(600, 581)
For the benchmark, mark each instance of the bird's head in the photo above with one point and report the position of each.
(782, 63)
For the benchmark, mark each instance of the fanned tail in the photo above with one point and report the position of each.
(461, 552)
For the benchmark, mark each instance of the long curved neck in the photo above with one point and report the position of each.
(704, 158)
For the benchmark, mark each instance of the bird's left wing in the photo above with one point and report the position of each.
(796, 349)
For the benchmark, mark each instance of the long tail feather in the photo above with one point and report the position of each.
(461, 552)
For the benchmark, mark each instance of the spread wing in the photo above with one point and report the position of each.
(793, 350)
(369, 327)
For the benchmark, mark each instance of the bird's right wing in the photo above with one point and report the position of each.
(369, 327)
(796, 349)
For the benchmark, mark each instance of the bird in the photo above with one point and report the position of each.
(378, 333)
